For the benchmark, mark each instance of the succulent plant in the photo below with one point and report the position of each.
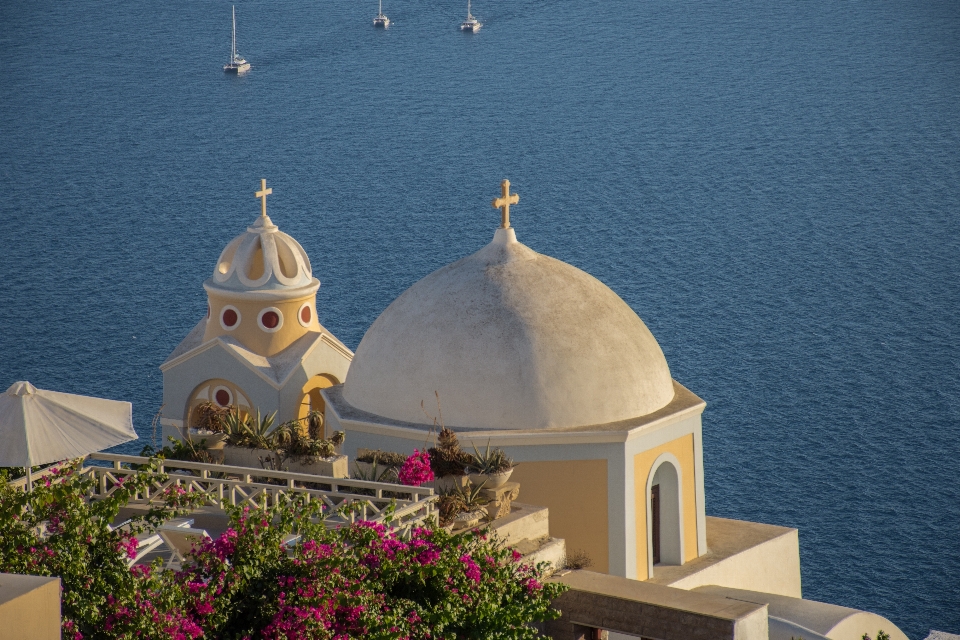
(447, 458)
(490, 461)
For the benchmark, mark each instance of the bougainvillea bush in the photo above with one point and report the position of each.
(252, 582)
(416, 469)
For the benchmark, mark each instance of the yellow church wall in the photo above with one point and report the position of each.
(683, 449)
(249, 333)
(575, 491)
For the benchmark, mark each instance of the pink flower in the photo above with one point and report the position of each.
(472, 571)
(416, 469)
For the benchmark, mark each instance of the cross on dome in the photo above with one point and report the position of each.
(262, 194)
(503, 203)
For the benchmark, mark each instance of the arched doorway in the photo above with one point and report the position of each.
(664, 514)
(311, 400)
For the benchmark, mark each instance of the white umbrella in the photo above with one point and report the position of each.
(38, 426)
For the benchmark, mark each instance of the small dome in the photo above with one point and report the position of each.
(509, 339)
(263, 259)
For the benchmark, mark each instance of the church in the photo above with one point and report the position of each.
(513, 349)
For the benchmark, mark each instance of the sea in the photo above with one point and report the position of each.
(774, 187)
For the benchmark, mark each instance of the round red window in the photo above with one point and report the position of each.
(270, 319)
(230, 317)
(305, 315)
(222, 397)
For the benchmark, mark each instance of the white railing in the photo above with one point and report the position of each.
(345, 500)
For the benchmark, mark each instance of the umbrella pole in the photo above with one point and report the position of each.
(29, 479)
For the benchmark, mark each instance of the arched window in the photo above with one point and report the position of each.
(311, 400)
(664, 513)
(218, 391)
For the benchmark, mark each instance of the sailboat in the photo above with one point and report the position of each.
(237, 64)
(471, 24)
(381, 20)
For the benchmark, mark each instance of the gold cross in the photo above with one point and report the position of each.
(503, 203)
(263, 193)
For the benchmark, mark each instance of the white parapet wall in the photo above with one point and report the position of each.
(741, 555)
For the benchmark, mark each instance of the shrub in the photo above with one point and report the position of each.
(351, 582)
(382, 458)
(416, 469)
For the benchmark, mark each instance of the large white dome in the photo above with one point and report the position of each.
(510, 339)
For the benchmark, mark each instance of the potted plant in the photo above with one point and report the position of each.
(448, 461)
(255, 442)
(492, 467)
(210, 425)
(371, 464)
(296, 451)
(373, 473)
(462, 506)
(249, 440)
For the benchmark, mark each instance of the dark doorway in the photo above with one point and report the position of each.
(655, 512)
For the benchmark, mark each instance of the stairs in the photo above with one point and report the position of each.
(527, 530)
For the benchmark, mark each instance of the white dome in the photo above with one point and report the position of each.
(510, 339)
(263, 260)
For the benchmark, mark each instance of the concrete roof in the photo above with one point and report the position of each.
(725, 539)
(274, 369)
(510, 339)
(829, 620)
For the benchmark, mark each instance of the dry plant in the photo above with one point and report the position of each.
(446, 457)
(577, 559)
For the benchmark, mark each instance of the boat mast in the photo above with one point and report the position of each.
(468, 10)
(380, 11)
(233, 45)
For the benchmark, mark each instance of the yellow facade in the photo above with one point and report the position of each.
(683, 449)
(248, 330)
(575, 491)
(312, 400)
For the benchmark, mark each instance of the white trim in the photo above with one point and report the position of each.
(230, 307)
(676, 416)
(262, 295)
(232, 349)
(264, 312)
(504, 438)
(661, 459)
(213, 395)
(305, 305)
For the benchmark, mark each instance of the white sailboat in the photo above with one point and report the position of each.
(237, 64)
(471, 24)
(381, 20)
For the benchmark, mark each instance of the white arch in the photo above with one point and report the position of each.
(674, 520)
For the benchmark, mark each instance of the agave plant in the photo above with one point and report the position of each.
(289, 440)
(376, 474)
(255, 433)
(490, 462)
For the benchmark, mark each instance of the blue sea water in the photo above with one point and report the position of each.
(773, 187)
